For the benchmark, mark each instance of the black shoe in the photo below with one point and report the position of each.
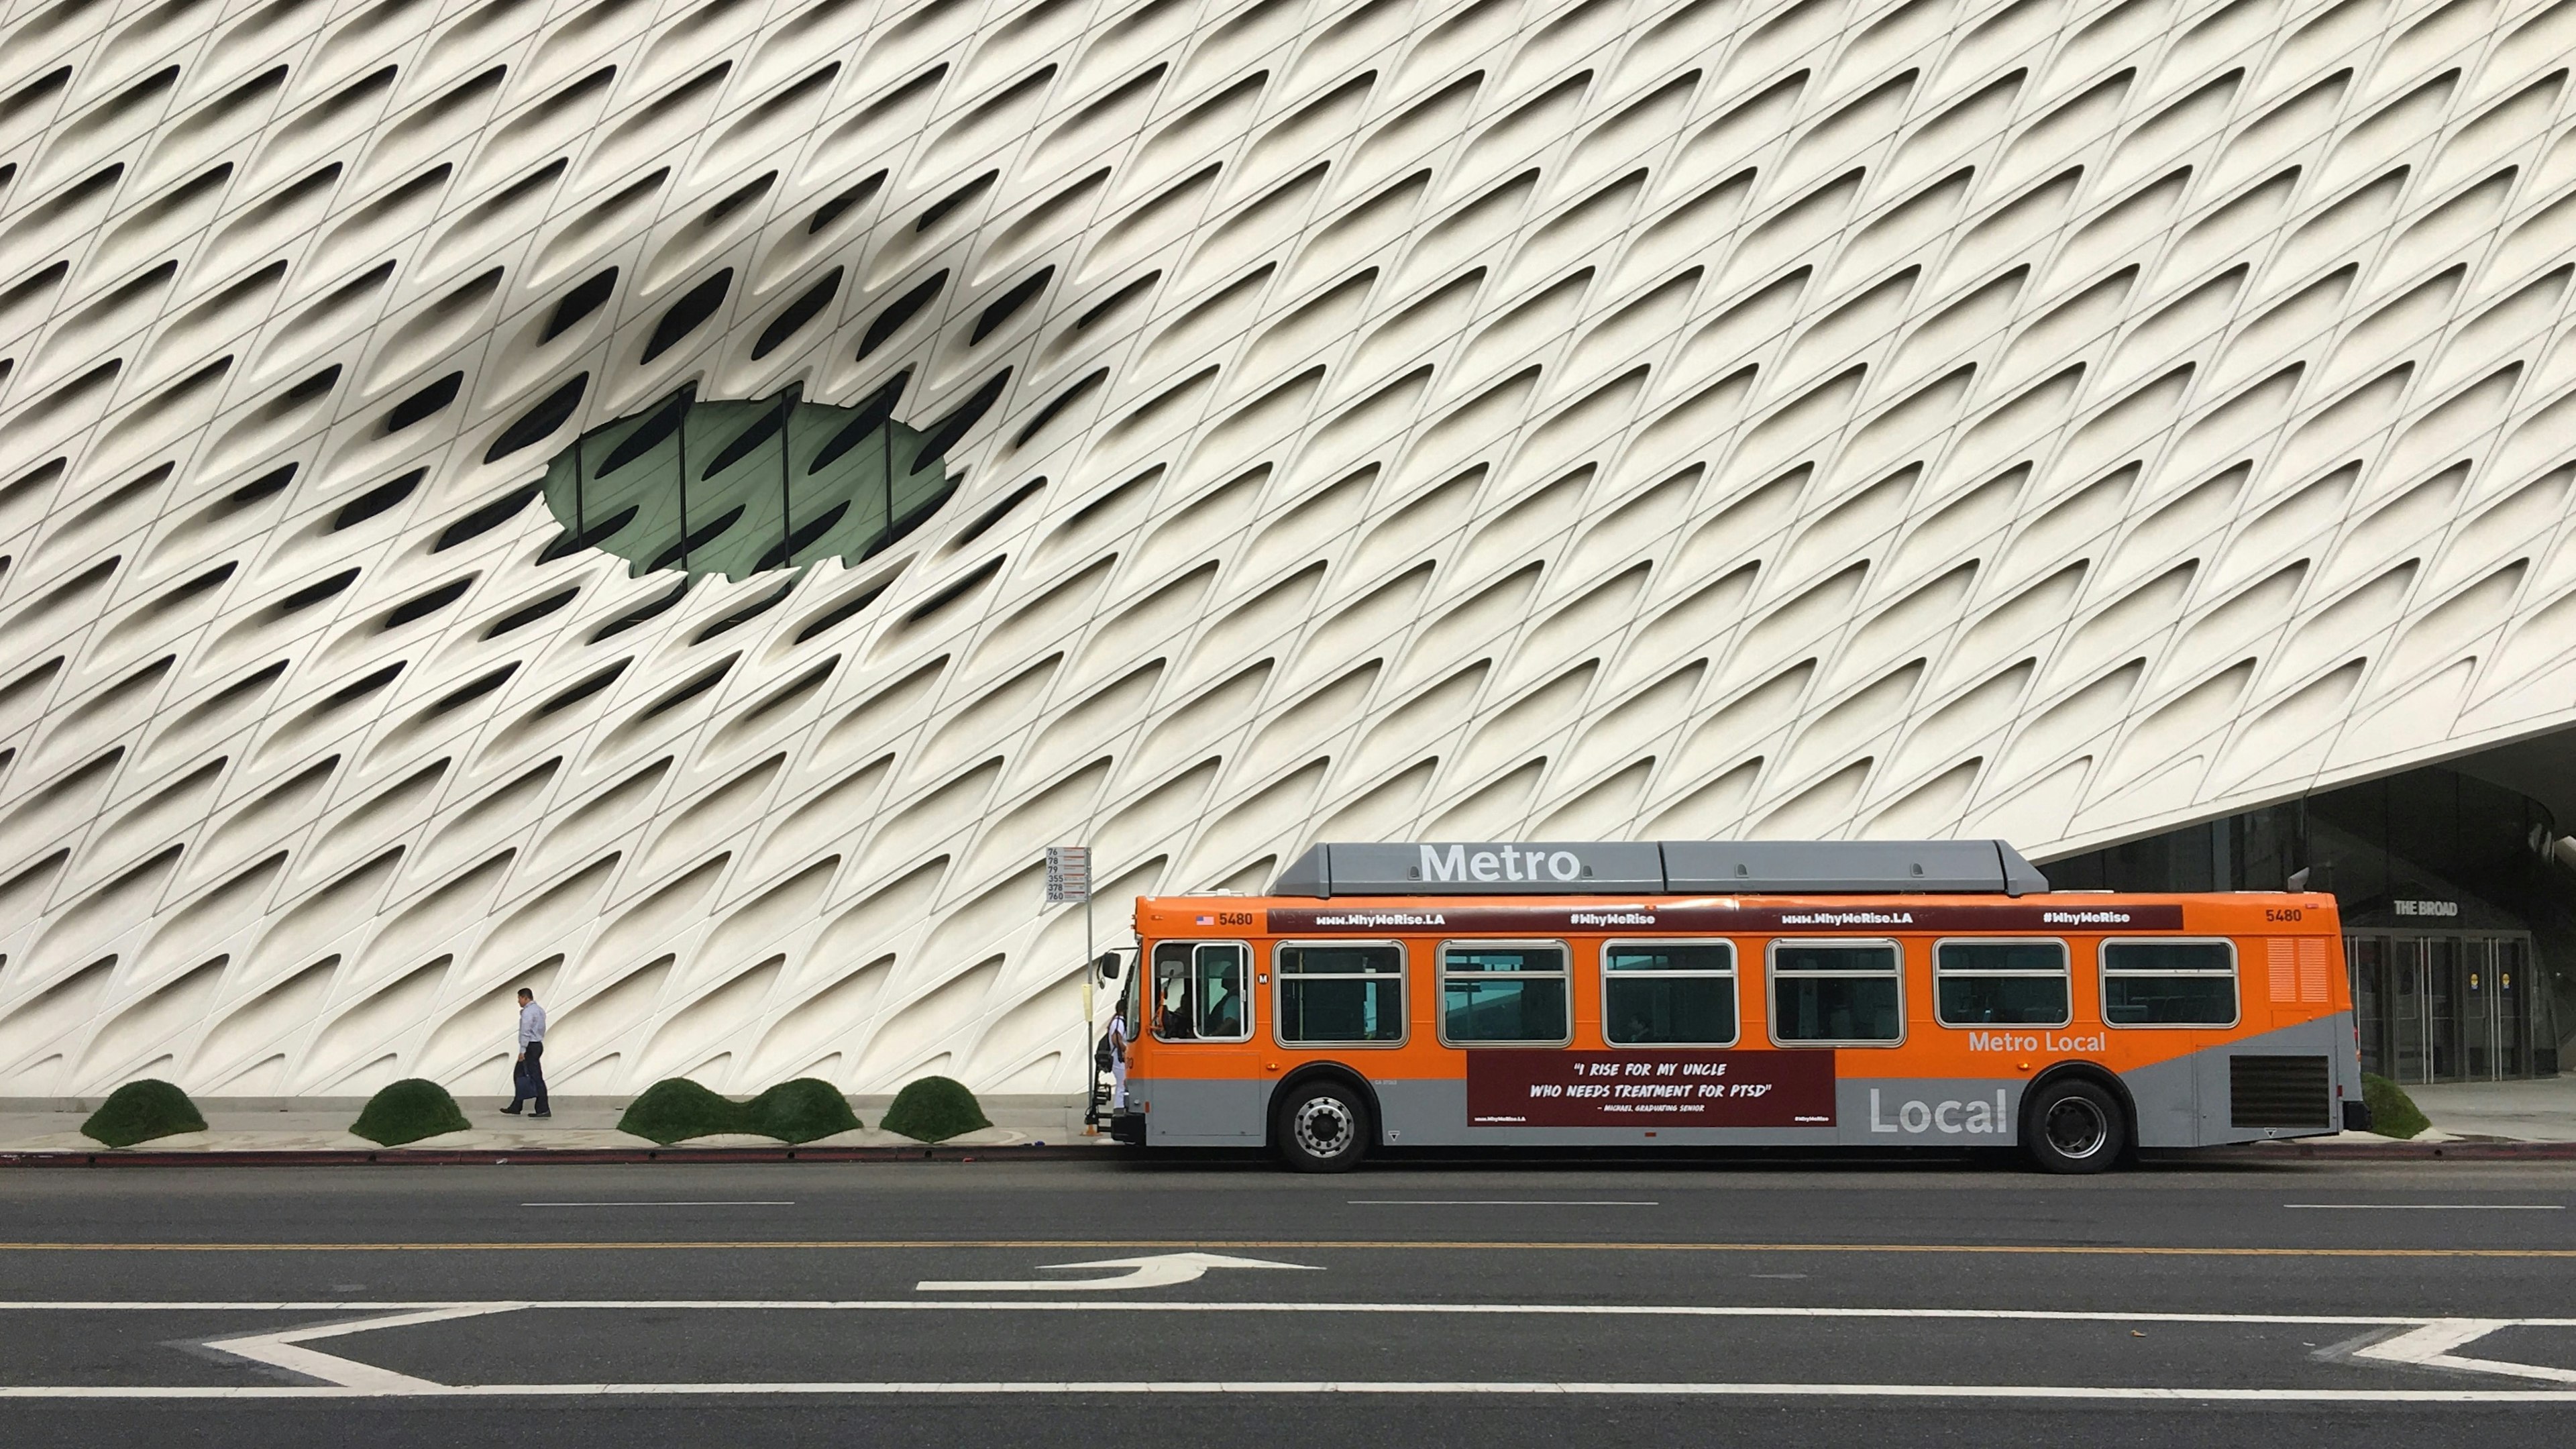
(509, 1111)
(541, 1114)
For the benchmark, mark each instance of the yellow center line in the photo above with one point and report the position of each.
(1289, 1244)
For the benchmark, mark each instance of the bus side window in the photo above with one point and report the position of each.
(1830, 992)
(1219, 973)
(2165, 982)
(2012, 981)
(1505, 993)
(1668, 993)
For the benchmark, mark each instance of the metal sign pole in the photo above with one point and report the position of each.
(1068, 882)
(1090, 1025)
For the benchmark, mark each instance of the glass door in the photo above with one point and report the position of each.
(2444, 1017)
(2478, 1026)
(2435, 1008)
(2410, 1036)
(2367, 959)
(2513, 1010)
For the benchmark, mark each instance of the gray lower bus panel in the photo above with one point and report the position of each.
(2252, 1090)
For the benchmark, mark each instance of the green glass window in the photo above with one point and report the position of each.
(2168, 983)
(1836, 991)
(1504, 994)
(744, 487)
(1341, 993)
(2013, 983)
(1668, 993)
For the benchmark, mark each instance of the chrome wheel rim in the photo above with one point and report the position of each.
(1324, 1127)
(2076, 1127)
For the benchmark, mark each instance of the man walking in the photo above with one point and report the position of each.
(528, 1077)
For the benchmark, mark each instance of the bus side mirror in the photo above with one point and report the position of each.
(1108, 964)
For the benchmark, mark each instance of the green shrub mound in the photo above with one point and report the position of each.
(801, 1110)
(141, 1111)
(677, 1109)
(408, 1111)
(934, 1109)
(2392, 1112)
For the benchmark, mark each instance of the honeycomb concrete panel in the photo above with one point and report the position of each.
(2055, 419)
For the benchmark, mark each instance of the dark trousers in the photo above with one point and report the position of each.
(528, 1076)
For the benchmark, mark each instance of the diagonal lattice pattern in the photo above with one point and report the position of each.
(2053, 419)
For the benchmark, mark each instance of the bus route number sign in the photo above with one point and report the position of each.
(1650, 1089)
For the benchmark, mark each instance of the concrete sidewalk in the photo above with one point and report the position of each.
(2540, 1110)
(2539, 1113)
(583, 1124)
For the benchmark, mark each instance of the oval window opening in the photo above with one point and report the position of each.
(739, 487)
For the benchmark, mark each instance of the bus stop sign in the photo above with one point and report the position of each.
(1068, 880)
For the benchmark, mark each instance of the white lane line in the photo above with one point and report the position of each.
(1500, 1202)
(275, 1305)
(2433, 1207)
(712, 1202)
(1149, 1305)
(1330, 1386)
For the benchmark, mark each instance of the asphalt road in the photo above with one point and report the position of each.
(988, 1303)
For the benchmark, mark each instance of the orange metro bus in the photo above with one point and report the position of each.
(1729, 993)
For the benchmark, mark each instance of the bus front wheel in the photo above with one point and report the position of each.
(2073, 1125)
(1323, 1127)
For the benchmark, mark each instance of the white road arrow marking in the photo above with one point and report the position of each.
(281, 1350)
(2431, 1347)
(1155, 1270)
(2428, 1342)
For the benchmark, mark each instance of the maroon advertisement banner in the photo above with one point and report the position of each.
(1650, 1088)
(1631, 918)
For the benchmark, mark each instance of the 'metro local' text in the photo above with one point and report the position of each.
(2042, 1041)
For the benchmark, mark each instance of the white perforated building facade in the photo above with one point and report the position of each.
(2055, 419)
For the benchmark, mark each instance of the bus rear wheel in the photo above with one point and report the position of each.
(1323, 1127)
(2073, 1126)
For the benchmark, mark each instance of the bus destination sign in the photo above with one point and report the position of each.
(1650, 1089)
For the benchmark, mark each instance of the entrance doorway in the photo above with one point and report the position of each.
(2433, 1006)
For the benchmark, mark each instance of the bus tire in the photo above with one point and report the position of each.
(1323, 1127)
(2074, 1126)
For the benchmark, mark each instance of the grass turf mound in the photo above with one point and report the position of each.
(141, 1111)
(2392, 1112)
(800, 1111)
(677, 1109)
(408, 1111)
(934, 1109)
